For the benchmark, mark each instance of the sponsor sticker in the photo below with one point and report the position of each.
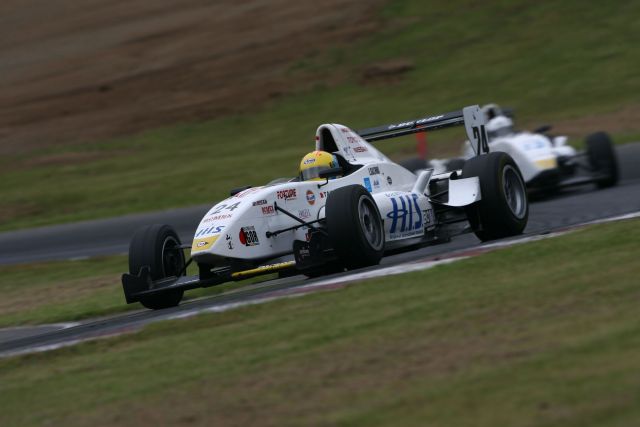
(389, 180)
(229, 242)
(248, 236)
(374, 170)
(268, 210)
(360, 149)
(406, 218)
(311, 198)
(289, 194)
(209, 231)
(367, 184)
(376, 182)
(324, 194)
(260, 202)
(216, 218)
(247, 191)
(203, 244)
(304, 213)
(309, 161)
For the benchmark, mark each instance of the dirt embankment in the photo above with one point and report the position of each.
(78, 71)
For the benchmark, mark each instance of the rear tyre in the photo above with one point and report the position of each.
(504, 209)
(455, 164)
(354, 226)
(158, 247)
(602, 158)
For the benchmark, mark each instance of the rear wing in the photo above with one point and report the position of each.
(471, 117)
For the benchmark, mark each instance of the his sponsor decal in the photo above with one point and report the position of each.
(304, 213)
(248, 236)
(376, 182)
(389, 180)
(203, 244)
(209, 231)
(324, 194)
(311, 198)
(374, 170)
(260, 202)
(429, 219)
(407, 219)
(360, 149)
(268, 210)
(352, 140)
(289, 194)
(229, 242)
(367, 184)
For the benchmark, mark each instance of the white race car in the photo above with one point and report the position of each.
(547, 163)
(347, 218)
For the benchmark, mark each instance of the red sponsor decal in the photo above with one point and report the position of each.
(289, 194)
(360, 149)
(268, 210)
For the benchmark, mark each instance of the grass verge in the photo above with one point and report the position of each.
(541, 334)
(64, 291)
(550, 61)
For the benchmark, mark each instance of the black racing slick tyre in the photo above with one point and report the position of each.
(354, 226)
(158, 247)
(602, 158)
(504, 208)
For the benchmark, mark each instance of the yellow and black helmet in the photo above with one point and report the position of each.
(313, 163)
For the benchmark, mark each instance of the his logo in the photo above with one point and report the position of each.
(406, 213)
(201, 244)
(311, 198)
(209, 230)
(374, 170)
(268, 210)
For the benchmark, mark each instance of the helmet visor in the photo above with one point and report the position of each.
(313, 172)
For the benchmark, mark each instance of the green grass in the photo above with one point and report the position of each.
(551, 61)
(63, 291)
(541, 334)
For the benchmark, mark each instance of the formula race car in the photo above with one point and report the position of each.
(344, 214)
(547, 163)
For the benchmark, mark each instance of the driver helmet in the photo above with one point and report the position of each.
(313, 163)
(491, 111)
(499, 126)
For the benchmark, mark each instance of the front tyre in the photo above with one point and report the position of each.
(602, 158)
(504, 208)
(354, 226)
(158, 247)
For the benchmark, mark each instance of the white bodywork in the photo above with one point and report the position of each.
(532, 152)
(237, 227)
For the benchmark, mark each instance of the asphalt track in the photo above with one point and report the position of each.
(568, 208)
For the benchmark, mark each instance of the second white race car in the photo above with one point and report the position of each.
(347, 217)
(547, 162)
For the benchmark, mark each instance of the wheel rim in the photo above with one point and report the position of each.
(370, 223)
(514, 191)
(172, 257)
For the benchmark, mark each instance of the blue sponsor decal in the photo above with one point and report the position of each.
(406, 215)
(367, 184)
(210, 230)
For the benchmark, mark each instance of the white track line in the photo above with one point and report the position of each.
(339, 282)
